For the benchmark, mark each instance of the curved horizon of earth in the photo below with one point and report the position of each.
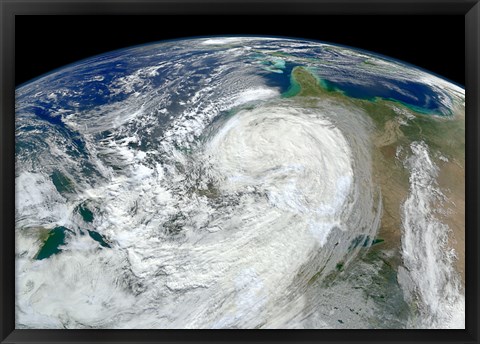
(240, 182)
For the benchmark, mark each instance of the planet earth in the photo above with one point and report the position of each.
(240, 182)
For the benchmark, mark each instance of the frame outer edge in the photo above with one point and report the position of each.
(472, 94)
(7, 205)
(7, 188)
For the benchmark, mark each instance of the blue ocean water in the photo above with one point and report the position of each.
(418, 96)
(282, 81)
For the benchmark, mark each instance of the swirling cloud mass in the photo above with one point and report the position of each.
(239, 183)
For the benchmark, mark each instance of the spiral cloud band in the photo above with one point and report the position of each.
(276, 189)
(239, 182)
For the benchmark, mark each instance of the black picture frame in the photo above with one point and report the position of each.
(9, 9)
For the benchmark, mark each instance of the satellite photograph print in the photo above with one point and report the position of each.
(240, 182)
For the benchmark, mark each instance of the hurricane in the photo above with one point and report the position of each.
(239, 182)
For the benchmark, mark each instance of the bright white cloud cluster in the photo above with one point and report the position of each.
(220, 200)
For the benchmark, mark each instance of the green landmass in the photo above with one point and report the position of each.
(395, 125)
